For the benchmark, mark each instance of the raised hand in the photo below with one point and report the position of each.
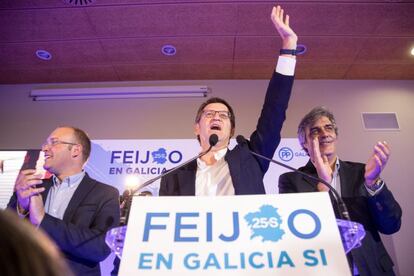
(321, 164)
(25, 187)
(288, 36)
(376, 163)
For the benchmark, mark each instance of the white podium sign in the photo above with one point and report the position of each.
(289, 234)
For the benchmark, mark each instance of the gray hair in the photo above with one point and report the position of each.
(310, 118)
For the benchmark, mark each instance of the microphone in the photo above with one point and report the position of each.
(343, 210)
(128, 194)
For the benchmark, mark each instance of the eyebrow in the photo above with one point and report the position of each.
(216, 110)
(317, 127)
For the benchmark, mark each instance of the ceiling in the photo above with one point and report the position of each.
(121, 40)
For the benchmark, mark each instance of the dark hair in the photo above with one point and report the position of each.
(217, 100)
(310, 118)
(83, 139)
(26, 250)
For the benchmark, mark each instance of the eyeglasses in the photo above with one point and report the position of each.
(52, 143)
(212, 113)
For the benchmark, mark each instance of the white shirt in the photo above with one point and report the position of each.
(214, 179)
(61, 193)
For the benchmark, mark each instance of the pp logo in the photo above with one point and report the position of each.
(285, 154)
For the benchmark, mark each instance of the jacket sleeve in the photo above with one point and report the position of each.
(84, 236)
(385, 211)
(266, 138)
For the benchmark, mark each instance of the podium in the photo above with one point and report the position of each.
(298, 232)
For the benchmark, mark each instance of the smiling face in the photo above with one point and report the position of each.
(214, 119)
(63, 154)
(323, 130)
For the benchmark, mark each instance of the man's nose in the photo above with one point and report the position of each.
(216, 116)
(45, 147)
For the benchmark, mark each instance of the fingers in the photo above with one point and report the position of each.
(26, 182)
(311, 152)
(277, 15)
(325, 159)
(315, 147)
(381, 153)
(36, 191)
(281, 12)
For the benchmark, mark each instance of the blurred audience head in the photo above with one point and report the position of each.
(27, 251)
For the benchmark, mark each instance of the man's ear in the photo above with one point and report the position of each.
(76, 150)
(232, 132)
(196, 129)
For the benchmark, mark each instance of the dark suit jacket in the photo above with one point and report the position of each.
(379, 213)
(92, 211)
(245, 169)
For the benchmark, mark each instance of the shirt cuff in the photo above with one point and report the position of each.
(286, 66)
(19, 213)
(373, 193)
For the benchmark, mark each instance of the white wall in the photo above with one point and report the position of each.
(25, 124)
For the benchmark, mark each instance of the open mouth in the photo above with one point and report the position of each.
(215, 127)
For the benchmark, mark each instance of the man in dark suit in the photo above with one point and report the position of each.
(75, 210)
(237, 171)
(365, 194)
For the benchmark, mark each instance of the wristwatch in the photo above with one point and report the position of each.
(377, 185)
(288, 52)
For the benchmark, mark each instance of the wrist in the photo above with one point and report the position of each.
(36, 221)
(370, 182)
(376, 185)
(290, 52)
(22, 212)
(290, 43)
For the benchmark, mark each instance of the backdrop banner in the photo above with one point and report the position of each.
(126, 163)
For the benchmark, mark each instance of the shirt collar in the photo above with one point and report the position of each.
(70, 180)
(337, 165)
(218, 155)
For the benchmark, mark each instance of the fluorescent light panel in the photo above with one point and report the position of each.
(119, 93)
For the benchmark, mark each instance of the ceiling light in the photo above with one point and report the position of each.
(412, 51)
(130, 92)
(43, 54)
(79, 2)
(168, 50)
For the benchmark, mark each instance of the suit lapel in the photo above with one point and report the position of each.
(347, 175)
(81, 192)
(309, 169)
(186, 179)
(234, 167)
(47, 184)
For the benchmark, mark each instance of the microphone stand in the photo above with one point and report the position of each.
(130, 193)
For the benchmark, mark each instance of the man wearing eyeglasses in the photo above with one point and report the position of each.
(236, 172)
(365, 194)
(75, 210)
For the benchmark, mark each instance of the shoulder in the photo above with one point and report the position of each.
(289, 176)
(101, 187)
